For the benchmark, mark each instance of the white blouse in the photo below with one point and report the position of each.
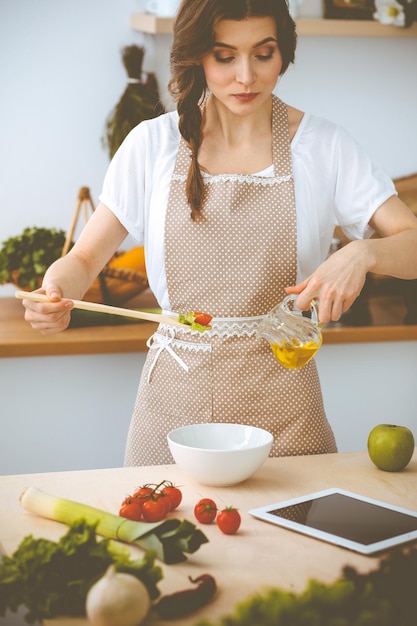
(336, 184)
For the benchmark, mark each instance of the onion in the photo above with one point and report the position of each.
(117, 599)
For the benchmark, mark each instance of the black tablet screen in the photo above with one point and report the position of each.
(348, 517)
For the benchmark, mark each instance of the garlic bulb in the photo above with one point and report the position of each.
(117, 599)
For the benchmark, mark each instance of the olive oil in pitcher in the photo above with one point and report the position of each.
(294, 355)
(293, 337)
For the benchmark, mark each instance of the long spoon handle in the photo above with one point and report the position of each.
(105, 308)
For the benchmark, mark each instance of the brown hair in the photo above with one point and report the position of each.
(193, 38)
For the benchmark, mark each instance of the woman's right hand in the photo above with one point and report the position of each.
(48, 317)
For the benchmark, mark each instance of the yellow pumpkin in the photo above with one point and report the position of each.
(133, 259)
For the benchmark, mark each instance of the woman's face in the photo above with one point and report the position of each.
(243, 67)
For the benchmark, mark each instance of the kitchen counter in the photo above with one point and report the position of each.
(18, 339)
(259, 555)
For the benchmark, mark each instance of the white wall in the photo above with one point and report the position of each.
(66, 412)
(73, 412)
(368, 384)
(61, 74)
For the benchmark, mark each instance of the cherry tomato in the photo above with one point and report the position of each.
(173, 495)
(154, 509)
(143, 492)
(131, 508)
(228, 520)
(205, 511)
(202, 318)
(141, 495)
(165, 499)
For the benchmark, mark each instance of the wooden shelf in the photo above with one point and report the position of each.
(315, 27)
(147, 23)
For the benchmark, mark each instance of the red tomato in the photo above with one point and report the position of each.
(205, 511)
(154, 509)
(229, 520)
(143, 492)
(131, 508)
(173, 495)
(141, 495)
(202, 318)
(165, 499)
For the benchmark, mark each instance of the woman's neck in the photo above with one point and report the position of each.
(235, 144)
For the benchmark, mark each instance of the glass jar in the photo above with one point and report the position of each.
(294, 335)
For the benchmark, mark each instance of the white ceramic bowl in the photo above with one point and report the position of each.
(220, 454)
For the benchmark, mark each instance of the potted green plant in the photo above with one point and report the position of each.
(25, 258)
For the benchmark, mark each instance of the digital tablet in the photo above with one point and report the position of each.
(344, 518)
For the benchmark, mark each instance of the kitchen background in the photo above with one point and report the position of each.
(60, 75)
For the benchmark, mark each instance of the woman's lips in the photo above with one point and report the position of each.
(245, 97)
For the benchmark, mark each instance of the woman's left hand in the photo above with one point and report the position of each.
(338, 281)
(335, 284)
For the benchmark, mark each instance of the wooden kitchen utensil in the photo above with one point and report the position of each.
(105, 308)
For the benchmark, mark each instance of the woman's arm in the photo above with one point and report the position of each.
(72, 275)
(338, 281)
(395, 252)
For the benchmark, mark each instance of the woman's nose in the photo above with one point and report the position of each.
(245, 73)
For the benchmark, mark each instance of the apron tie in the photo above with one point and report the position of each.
(159, 343)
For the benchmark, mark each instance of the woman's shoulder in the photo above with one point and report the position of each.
(157, 130)
(150, 140)
(294, 120)
(312, 126)
(161, 125)
(322, 135)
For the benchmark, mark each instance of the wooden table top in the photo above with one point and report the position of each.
(260, 555)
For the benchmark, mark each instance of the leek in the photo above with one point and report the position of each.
(168, 539)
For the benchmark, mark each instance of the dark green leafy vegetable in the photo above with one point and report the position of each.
(26, 257)
(386, 596)
(140, 101)
(52, 579)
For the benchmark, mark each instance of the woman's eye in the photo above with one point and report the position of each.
(267, 53)
(222, 59)
(264, 57)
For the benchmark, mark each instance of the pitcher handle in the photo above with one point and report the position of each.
(313, 306)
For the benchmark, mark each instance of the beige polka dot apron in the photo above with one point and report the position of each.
(233, 264)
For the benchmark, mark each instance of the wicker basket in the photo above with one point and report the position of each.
(116, 286)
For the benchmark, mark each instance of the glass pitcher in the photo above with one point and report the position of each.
(294, 337)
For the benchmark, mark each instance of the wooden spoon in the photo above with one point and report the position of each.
(105, 308)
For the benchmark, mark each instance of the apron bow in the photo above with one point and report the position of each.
(159, 343)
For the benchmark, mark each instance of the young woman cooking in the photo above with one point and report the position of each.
(235, 196)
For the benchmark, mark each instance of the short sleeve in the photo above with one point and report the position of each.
(337, 183)
(361, 186)
(123, 190)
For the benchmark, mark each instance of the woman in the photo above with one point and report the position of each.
(235, 197)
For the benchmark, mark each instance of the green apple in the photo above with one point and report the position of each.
(390, 447)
